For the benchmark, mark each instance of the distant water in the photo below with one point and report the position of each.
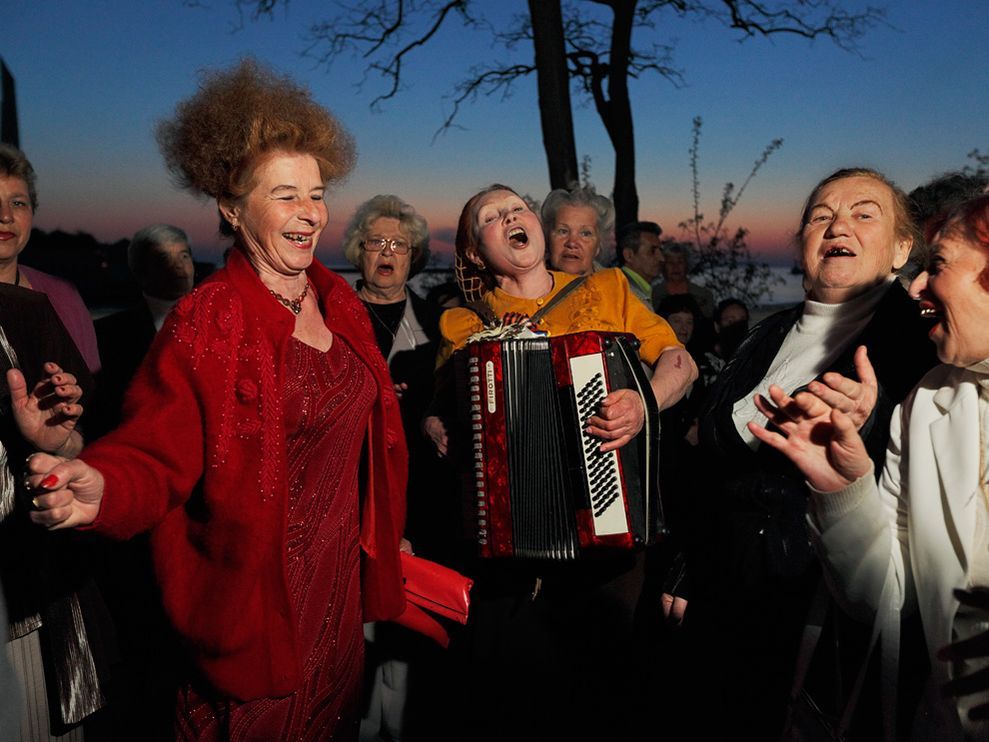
(787, 294)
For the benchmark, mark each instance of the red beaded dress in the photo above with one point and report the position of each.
(327, 400)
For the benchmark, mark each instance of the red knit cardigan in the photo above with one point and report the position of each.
(200, 459)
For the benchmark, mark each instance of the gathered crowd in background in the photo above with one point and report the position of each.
(210, 499)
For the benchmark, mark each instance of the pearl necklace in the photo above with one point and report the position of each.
(293, 305)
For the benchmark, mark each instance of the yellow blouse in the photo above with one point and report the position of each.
(604, 303)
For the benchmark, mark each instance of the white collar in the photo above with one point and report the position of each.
(159, 309)
(858, 306)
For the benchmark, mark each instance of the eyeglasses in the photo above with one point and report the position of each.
(377, 244)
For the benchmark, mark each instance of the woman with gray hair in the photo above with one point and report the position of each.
(160, 259)
(748, 541)
(576, 223)
(388, 241)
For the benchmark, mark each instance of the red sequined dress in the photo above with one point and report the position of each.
(327, 400)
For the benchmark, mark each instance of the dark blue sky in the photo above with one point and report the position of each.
(93, 77)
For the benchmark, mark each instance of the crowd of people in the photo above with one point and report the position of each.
(207, 498)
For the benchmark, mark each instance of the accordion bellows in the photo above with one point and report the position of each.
(536, 485)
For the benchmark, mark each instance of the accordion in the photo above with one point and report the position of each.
(536, 485)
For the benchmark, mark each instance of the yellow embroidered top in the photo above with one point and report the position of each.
(604, 303)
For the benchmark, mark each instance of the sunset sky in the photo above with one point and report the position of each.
(93, 78)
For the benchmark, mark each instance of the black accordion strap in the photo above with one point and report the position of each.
(482, 310)
(556, 300)
(487, 315)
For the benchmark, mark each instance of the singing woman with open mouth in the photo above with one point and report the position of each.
(917, 541)
(752, 570)
(539, 650)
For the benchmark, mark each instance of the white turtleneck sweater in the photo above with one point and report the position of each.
(823, 332)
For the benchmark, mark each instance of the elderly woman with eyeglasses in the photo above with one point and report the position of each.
(388, 240)
(18, 204)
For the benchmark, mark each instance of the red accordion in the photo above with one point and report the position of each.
(537, 486)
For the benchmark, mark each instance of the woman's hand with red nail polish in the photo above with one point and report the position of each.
(69, 493)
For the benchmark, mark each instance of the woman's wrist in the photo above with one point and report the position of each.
(70, 447)
(837, 500)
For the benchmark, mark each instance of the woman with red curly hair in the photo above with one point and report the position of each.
(243, 432)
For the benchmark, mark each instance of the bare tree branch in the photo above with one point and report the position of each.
(606, 43)
(386, 25)
(484, 82)
(723, 259)
(388, 33)
(730, 198)
(695, 145)
(822, 18)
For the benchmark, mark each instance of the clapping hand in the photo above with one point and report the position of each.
(856, 399)
(972, 648)
(821, 441)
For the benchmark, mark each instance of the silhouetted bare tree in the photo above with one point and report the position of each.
(586, 43)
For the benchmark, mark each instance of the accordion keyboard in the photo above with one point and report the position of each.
(537, 485)
(603, 474)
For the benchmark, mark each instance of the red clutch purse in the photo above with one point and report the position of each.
(431, 588)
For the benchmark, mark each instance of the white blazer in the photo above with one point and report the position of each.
(907, 543)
